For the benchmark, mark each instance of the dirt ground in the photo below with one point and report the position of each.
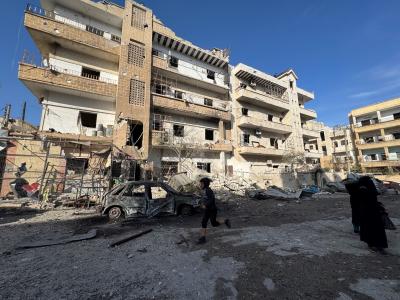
(275, 250)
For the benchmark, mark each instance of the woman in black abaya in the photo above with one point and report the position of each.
(372, 230)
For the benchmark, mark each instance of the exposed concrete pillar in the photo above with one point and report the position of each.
(378, 114)
(382, 132)
(386, 152)
(221, 127)
(222, 158)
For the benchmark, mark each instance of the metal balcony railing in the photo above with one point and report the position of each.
(63, 70)
(51, 15)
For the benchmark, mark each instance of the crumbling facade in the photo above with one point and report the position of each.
(376, 133)
(118, 73)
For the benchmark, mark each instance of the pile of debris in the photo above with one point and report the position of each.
(274, 192)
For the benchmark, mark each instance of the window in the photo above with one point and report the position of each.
(242, 85)
(94, 30)
(135, 55)
(365, 122)
(169, 167)
(245, 111)
(322, 134)
(374, 157)
(135, 191)
(396, 135)
(209, 134)
(291, 84)
(343, 142)
(270, 118)
(90, 73)
(155, 52)
(179, 130)
(158, 123)
(204, 166)
(210, 74)
(280, 119)
(157, 192)
(77, 165)
(335, 144)
(179, 94)
(88, 119)
(115, 38)
(208, 102)
(324, 149)
(396, 116)
(246, 138)
(273, 142)
(311, 147)
(160, 89)
(136, 92)
(173, 62)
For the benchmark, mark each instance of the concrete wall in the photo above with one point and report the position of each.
(61, 112)
(193, 68)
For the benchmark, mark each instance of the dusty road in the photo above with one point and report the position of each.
(275, 250)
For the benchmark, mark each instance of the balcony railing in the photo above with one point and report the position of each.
(58, 69)
(53, 16)
(279, 97)
(375, 121)
(168, 91)
(164, 60)
(377, 139)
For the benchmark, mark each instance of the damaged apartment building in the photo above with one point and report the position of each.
(118, 73)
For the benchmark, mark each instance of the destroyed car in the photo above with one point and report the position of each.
(146, 199)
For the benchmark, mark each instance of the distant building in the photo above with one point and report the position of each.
(376, 130)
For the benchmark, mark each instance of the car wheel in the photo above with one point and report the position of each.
(115, 213)
(186, 210)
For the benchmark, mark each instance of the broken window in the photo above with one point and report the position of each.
(90, 73)
(158, 123)
(160, 89)
(77, 165)
(210, 74)
(396, 116)
(335, 144)
(88, 119)
(179, 130)
(208, 102)
(173, 62)
(245, 111)
(169, 168)
(209, 134)
(374, 157)
(273, 142)
(135, 134)
(270, 118)
(135, 191)
(246, 138)
(204, 166)
(322, 134)
(324, 149)
(365, 122)
(179, 94)
(157, 192)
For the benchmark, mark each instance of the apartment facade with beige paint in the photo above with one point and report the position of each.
(376, 133)
(118, 72)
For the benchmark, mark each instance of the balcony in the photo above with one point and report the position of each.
(166, 140)
(340, 149)
(189, 72)
(260, 151)
(47, 29)
(39, 80)
(310, 133)
(380, 163)
(307, 114)
(264, 124)
(376, 124)
(378, 142)
(184, 107)
(262, 99)
(312, 154)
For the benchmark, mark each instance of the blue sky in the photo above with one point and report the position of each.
(346, 51)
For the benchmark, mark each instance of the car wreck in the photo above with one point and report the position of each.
(146, 199)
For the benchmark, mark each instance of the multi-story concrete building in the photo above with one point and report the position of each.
(121, 74)
(376, 131)
(338, 149)
(270, 120)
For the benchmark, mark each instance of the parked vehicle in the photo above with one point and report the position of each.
(146, 199)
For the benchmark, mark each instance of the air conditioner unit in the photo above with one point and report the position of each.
(253, 84)
(258, 132)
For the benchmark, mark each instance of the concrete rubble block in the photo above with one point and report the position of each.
(274, 192)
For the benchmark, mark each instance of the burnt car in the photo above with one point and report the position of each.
(146, 199)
